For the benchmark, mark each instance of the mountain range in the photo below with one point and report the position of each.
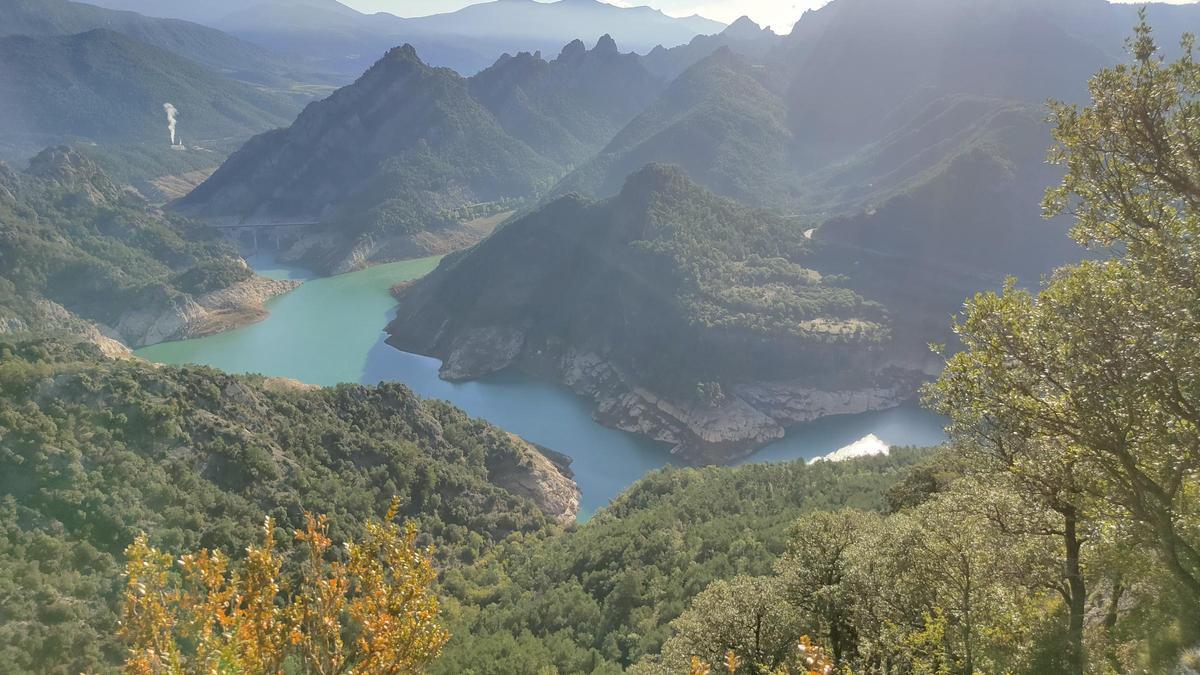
(731, 240)
(408, 149)
(901, 143)
(214, 49)
(914, 177)
(329, 36)
(668, 286)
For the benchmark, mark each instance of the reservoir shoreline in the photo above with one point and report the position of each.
(330, 330)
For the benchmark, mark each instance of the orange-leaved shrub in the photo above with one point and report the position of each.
(370, 611)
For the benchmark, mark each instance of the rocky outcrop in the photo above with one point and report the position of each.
(75, 172)
(183, 317)
(753, 416)
(482, 351)
(49, 316)
(542, 476)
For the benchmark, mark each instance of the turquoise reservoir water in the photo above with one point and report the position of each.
(330, 330)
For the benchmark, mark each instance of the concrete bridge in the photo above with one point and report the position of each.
(248, 232)
(259, 225)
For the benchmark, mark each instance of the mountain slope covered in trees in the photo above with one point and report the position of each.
(209, 47)
(79, 253)
(408, 149)
(97, 451)
(602, 597)
(664, 299)
(106, 92)
(104, 87)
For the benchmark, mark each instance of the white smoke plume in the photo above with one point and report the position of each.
(171, 112)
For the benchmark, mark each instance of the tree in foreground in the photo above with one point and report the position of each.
(372, 612)
(744, 625)
(1087, 394)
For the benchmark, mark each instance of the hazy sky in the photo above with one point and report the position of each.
(778, 14)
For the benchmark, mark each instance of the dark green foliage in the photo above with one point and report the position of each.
(71, 236)
(672, 282)
(92, 452)
(211, 275)
(568, 108)
(412, 143)
(601, 597)
(719, 122)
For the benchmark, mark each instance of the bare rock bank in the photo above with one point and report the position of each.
(750, 416)
(184, 317)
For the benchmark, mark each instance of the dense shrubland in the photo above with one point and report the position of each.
(72, 236)
(666, 279)
(94, 452)
(1055, 533)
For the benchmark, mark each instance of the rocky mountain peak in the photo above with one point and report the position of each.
(606, 46)
(574, 49)
(73, 170)
(403, 52)
(743, 29)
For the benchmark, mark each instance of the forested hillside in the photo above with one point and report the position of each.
(600, 598)
(663, 291)
(79, 251)
(93, 452)
(107, 93)
(103, 87)
(718, 122)
(405, 151)
(209, 47)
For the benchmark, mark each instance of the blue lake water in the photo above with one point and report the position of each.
(330, 330)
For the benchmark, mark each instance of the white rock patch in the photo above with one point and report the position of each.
(867, 446)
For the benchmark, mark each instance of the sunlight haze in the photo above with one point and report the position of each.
(779, 15)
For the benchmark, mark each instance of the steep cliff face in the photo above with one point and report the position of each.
(685, 317)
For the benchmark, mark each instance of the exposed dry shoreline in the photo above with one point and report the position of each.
(752, 415)
(187, 317)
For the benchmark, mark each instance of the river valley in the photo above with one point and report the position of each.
(330, 331)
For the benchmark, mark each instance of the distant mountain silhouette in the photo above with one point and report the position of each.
(330, 36)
